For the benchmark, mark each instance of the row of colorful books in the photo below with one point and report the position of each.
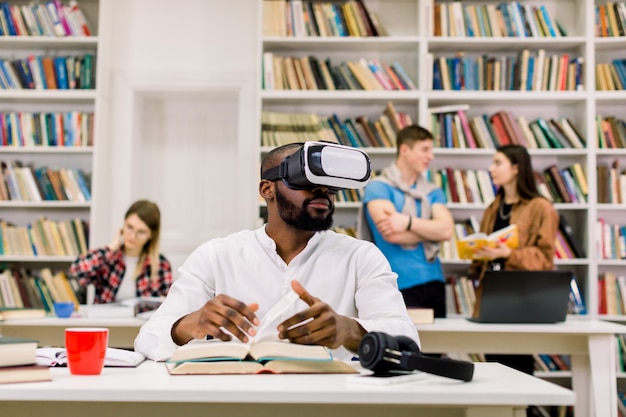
(282, 128)
(455, 129)
(48, 72)
(512, 19)
(563, 185)
(319, 18)
(464, 186)
(44, 237)
(612, 293)
(312, 73)
(611, 183)
(20, 182)
(610, 240)
(52, 18)
(566, 185)
(611, 132)
(450, 125)
(460, 295)
(349, 196)
(610, 19)
(524, 72)
(63, 129)
(552, 362)
(611, 76)
(39, 290)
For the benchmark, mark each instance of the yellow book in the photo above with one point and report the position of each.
(63, 288)
(613, 27)
(361, 76)
(353, 28)
(80, 234)
(580, 177)
(468, 245)
(59, 247)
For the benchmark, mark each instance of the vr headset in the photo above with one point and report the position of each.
(386, 355)
(322, 164)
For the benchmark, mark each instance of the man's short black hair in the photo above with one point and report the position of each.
(276, 155)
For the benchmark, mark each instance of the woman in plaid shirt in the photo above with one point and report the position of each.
(131, 265)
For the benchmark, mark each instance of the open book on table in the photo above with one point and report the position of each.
(262, 356)
(118, 358)
(468, 245)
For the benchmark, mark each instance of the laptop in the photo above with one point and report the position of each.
(524, 297)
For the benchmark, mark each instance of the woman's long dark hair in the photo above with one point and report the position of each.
(526, 185)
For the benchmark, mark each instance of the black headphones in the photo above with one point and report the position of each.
(383, 354)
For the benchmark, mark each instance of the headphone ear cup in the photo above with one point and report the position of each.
(372, 351)
(406, 344)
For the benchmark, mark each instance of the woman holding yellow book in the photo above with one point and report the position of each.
(518, 203)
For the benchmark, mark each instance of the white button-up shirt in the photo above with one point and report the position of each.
(351, 275)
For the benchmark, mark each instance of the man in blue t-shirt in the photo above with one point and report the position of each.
(407, 217)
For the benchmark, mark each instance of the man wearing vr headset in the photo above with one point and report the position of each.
(227, 285)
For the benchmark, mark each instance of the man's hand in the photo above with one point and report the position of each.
(392, 223)
(219, 314)
(320, 325)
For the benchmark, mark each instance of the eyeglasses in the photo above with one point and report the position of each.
(140, 234)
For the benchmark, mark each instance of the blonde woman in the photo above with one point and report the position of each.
(131, 265)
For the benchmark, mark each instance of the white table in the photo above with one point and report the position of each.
(591, 344)
(149, 390)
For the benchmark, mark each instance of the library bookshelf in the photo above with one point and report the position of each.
(411, 41)
(73, 108)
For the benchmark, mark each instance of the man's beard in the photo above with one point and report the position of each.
(299, 217)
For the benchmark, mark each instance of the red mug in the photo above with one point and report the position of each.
(86, 349)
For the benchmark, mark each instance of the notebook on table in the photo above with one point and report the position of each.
(524, 297)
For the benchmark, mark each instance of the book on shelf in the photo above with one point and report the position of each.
(553, 175)
(20, 313)
(568, 233)
(562, 249)
(17, 351)
(261, 356)
(610, 292)
(449, 108)
(603, 185)
(468, 245)
(114, 358)
(577, 303)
